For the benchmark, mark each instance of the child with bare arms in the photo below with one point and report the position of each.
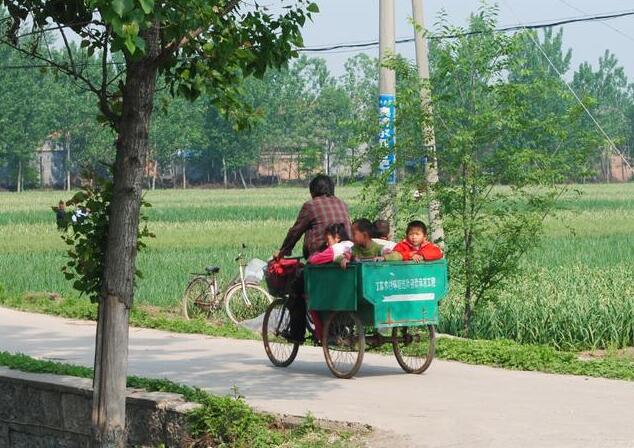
(364, 248)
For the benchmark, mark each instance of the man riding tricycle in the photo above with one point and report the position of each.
(361, 296)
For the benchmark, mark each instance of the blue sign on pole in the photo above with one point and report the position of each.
(387, 136)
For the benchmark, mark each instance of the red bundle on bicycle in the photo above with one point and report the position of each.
(280, 276)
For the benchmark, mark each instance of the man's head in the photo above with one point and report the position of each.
(362, 231)
(416, 233)
(61, 205)
(321, 185)
(381, 229)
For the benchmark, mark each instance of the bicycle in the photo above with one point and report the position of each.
(276, 327)
(243, 299)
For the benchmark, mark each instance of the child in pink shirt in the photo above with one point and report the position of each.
(338, 244)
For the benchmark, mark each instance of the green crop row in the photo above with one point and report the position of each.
(576, 291)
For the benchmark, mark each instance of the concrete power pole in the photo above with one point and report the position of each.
(431, 168)
(387, 98)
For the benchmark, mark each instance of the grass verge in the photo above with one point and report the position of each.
(220, 422)
(539, 358)
(140, 316)
(495, 353)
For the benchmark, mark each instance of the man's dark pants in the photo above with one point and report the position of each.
(297, 305)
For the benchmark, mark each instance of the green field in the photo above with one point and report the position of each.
(577, 291)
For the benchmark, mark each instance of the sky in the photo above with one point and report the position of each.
(357, 21)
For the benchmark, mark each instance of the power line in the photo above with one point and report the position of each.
(613, 28)
(375, 43)
(552, 65)
(506, 29)
(81, 65)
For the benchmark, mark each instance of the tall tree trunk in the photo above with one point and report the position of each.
(67, 144)
(224, 171)
(111, 352)
(244, 184)
(19, 180)
(41, 160)
(184, 175)
(154, 174)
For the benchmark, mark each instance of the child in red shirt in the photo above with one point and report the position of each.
(415, 246)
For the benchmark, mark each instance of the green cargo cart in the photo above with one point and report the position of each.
(369, 304)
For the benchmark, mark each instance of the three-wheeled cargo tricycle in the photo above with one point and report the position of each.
(368, 304)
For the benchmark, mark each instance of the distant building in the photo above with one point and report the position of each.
(51, 165)
(620, 170)
(284, 166)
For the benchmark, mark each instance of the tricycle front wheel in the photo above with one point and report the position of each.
(276, 324)
(343, 342)
(414, 347)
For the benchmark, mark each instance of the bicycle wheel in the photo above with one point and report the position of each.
(414, 347)
(344, 343)
(240, 308)
(198, 300)
(277, 319)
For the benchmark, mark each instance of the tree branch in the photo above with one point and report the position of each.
(176, 45)
(104, 63)
(68, 49)
(103, 103)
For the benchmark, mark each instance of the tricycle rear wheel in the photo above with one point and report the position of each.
(414, 347)
(277, 322)
(343, 342)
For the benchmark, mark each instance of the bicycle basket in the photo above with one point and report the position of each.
(280, 276)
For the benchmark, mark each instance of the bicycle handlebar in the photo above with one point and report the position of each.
(240, 255)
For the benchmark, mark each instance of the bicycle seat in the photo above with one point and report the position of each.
(212, 269)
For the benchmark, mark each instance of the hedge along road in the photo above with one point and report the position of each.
(452, 404)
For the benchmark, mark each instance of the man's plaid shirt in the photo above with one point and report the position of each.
(313, 218)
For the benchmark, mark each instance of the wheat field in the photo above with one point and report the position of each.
(577, 289)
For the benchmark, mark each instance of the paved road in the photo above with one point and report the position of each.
(453, 405)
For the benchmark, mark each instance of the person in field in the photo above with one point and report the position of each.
(338, 244)
(382, 236)
(321, 211)
(60, 214)
(364, 247)
(415, 246)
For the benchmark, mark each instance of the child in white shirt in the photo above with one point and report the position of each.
(382, 236)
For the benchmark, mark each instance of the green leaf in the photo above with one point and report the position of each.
(130, 45)
(147, 5)
(140, 43)
(313, 8)
(120, 7)
(131, 29)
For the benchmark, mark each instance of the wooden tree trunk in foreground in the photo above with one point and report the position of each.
(111, 352)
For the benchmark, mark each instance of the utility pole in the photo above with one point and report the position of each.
(431, 167)
(387, 98)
